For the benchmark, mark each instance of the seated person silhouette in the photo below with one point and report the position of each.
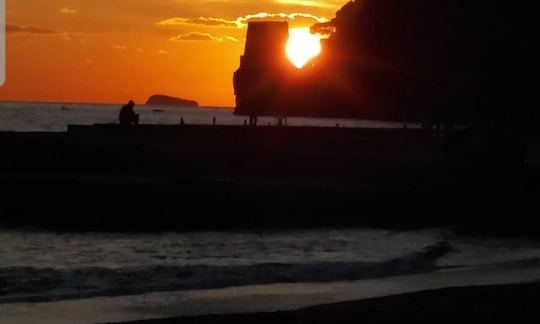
(128, 115)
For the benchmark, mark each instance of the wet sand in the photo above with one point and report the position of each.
(511, 304)
(440, 297)
(345, 299)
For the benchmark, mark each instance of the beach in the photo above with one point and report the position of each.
(110, 224)
(347, 161)
(509, 303)
(477, 293)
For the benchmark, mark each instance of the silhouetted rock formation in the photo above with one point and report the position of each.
(162, 100)
(446, 61)
(263, 69)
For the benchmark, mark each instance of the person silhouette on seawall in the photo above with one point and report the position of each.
(128, 115)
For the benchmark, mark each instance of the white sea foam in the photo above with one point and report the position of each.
(42, 266)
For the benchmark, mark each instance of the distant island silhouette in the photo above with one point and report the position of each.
(163, 100)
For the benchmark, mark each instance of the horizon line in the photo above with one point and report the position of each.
(93, 103)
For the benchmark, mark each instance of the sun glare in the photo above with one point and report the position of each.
(302, 46)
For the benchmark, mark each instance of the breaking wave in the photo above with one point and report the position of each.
(29, 284)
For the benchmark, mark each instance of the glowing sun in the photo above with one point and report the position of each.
(302, 46)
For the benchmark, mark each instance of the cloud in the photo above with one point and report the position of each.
(120, 47)
(68, 11)
(65, 36)
(240, 22)
(231, 39)
(219, 22)
(196, 36)
(310, 3)
(12, 29)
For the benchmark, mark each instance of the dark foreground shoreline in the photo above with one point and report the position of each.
(154, 178)
(506, 304)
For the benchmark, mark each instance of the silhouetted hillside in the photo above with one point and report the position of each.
(451, 61)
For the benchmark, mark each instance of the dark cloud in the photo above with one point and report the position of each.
(13, 29)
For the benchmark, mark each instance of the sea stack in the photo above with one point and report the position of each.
(259, 81)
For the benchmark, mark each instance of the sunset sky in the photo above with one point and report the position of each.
(113, 50)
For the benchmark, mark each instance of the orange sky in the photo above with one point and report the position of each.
(114, 50)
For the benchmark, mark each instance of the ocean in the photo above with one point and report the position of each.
(55, 117)
(38, 266)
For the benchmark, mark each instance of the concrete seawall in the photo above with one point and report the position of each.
(202, 177)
